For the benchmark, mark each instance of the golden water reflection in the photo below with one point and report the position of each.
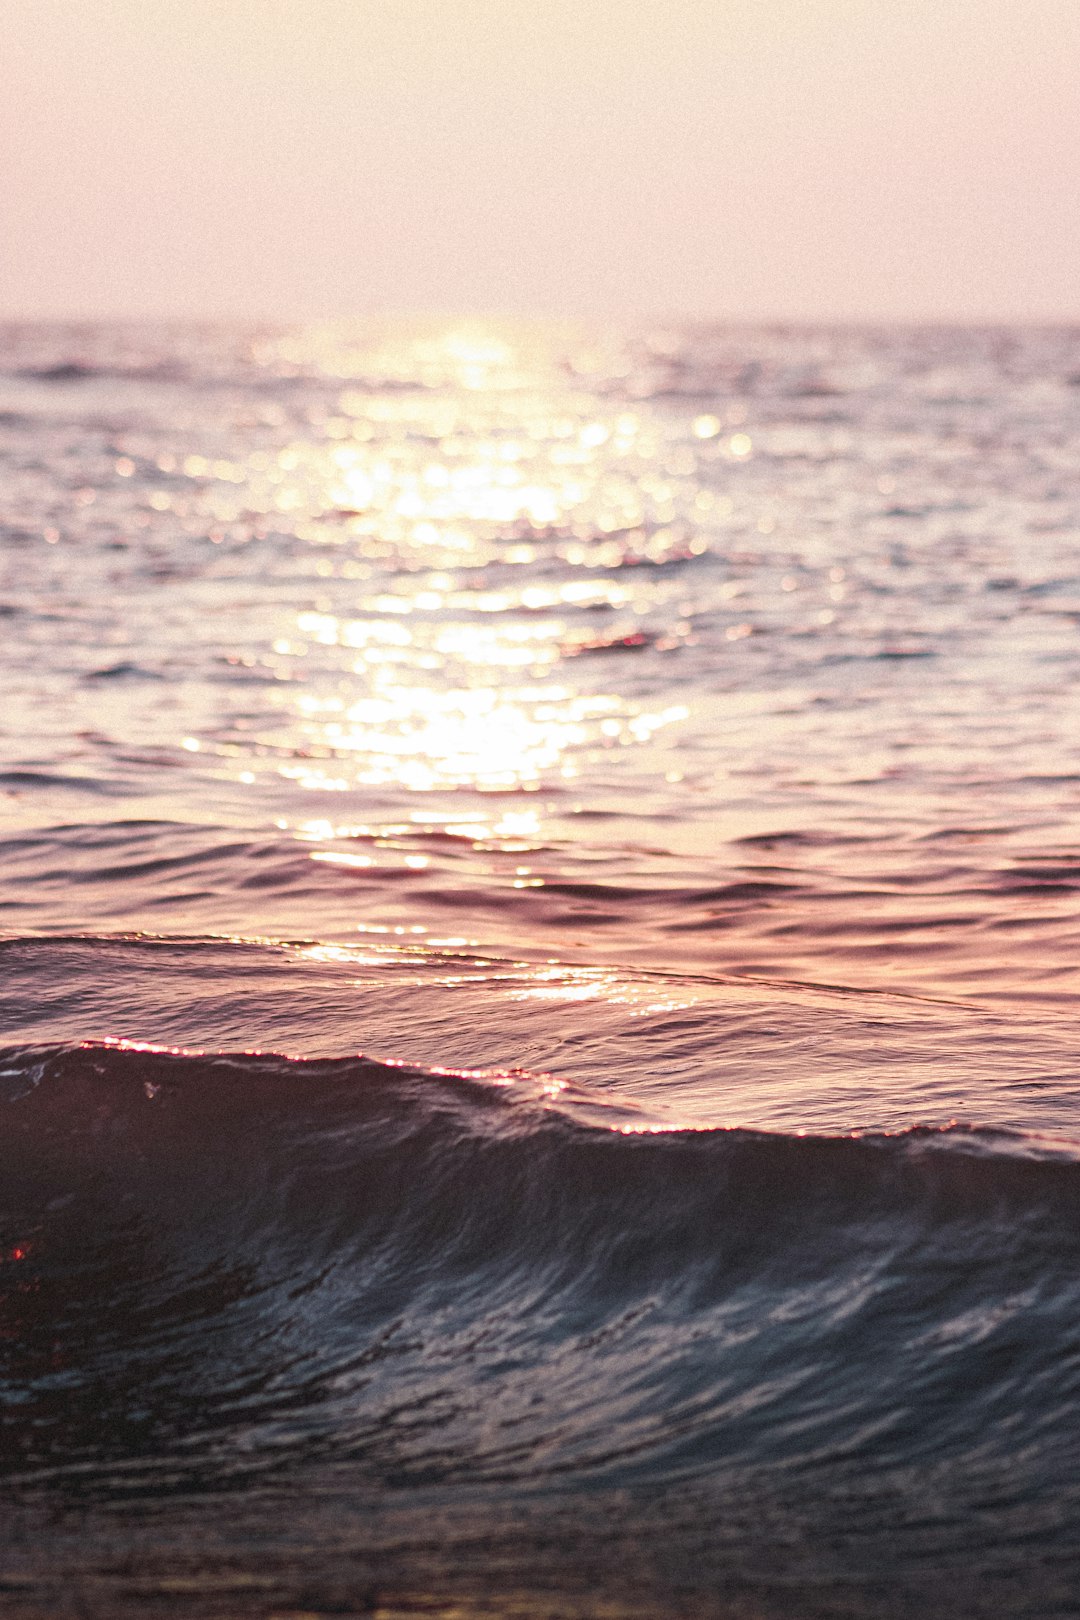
(449, 672)
(424, 738)
(463, 523)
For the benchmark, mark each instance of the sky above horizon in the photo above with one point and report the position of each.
(716, 159)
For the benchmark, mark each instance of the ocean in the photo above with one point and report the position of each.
(539, 972)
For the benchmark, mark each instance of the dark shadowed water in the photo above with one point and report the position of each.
(538, 983)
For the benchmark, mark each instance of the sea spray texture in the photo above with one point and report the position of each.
(608, 736)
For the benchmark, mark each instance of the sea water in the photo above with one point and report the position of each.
(539, 971)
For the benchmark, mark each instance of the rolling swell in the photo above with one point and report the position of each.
(217, 1269)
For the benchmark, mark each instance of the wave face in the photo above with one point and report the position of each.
(708, 1367)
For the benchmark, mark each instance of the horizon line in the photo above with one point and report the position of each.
(625, 319)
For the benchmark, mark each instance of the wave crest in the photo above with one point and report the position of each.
(279, 1256)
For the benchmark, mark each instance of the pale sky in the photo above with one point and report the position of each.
(787, 159)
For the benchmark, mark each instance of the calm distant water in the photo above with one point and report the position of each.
(539, 976)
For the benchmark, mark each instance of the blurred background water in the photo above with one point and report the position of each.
(749, 652)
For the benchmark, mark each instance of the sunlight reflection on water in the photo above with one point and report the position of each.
(773, 630)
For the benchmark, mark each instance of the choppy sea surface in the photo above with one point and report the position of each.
(539, 972)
